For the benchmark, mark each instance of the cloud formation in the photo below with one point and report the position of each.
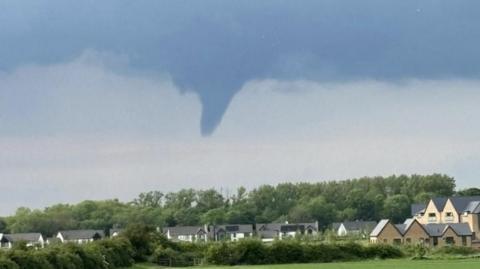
(84, 130)
(214, 47)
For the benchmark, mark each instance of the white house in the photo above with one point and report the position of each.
(80, 236)
(187, 233)
(31, 240)
(271, 231)
(361, 228)
(230, 232)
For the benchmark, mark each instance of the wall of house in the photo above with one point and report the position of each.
(449, 208)
(473, 222)
(416, 234)
(341, 230)
(431, 208)
(458, 241)
(388, 235)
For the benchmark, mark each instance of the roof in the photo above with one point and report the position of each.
(81, 234)
(461, 229)
(185, 230)
(359, 225)
(29, 237)
(402, 228)
(417, 208)
(233, 228)
(269, 230)
(379, 228)
(336, 225)
(116, 230)
(435, 229)
(440, 202)
(460, 203)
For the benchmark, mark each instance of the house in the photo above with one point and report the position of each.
(271, 231)
(187, 233)
(231, 232)
(115, 232)
(441, 221)
(31, 239)
(362, 228)
(80, 236)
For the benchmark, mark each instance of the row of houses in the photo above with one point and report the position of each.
(37, 239)
(233, 232)
(440, 222)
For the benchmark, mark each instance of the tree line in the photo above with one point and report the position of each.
(368, 198)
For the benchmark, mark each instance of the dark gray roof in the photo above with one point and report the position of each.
(440, 202)
(233, 228)
(461, 204)
(185, 230)
(81, 234)
(359, 225)
(417, 208)
(379, 228)
(461, 228)
(401, 227)
(28, 237)
(434, 229)
(336, 225)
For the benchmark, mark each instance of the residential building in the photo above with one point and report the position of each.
(230, 232)
(30, 239)
(187, 233)
(355, 228)
(441, 221)
(80, 236)
(271, 231)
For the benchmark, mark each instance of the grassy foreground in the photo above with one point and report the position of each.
(389, 264)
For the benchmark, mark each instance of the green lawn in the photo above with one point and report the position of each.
(390, 264)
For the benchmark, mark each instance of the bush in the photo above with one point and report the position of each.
(8, 264)
(251, 251)
(380, 251)
(454, 250)
(29, 260)
(287, 251)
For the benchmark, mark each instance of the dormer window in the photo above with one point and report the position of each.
(432, 217)
(449, 217)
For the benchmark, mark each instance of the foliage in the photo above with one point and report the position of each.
(369, 198)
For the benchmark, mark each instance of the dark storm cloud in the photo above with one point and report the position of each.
(214, 47)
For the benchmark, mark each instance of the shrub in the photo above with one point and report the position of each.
(454, 250)
(286, 251)
(8, 264)
(251, 251)
(381, 251)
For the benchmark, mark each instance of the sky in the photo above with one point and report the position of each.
(108, 99)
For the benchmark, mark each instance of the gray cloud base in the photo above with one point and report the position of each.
(214, 47)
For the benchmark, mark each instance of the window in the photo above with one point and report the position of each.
(385, 241)
(450, 240)
(435, 241)
(464, 241)
(409, 240)
(234, 235)
(397, 241)
(432, 217)
(449, 217)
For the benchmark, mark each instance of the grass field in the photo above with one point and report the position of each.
(389, 264)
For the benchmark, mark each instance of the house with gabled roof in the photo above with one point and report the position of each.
(230, 232)
(442, 221)
(357, 228)
(268, 232)
(30, 239)
(80, 236)
(187, 233)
